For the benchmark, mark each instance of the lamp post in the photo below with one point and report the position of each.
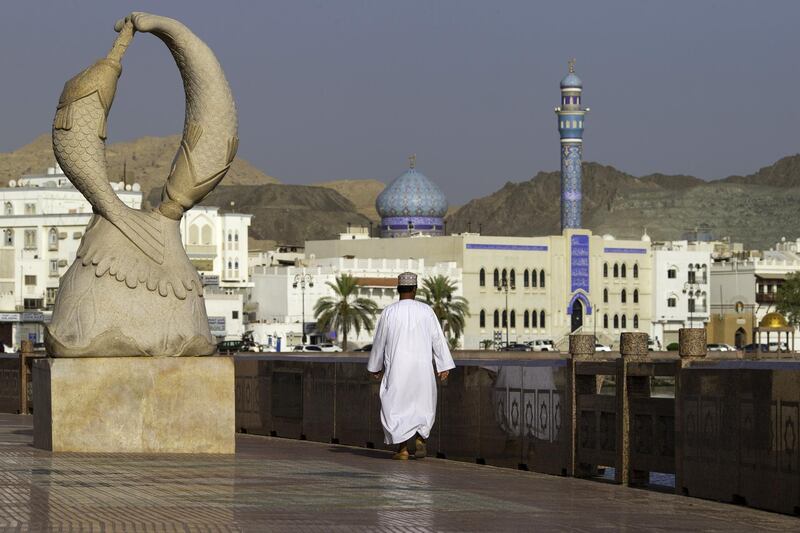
(692, 290)
(302, 280)
(503, 287)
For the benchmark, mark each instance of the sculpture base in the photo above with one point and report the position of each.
(134, 405)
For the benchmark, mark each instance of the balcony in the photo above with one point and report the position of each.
(766, 297)
(201, 250)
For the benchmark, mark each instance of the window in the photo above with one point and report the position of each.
(526, 319)
(541, 318)
(624, 322)
(616, 270)
(505, 319)
(52, 239)
(623, 296)
(624, 271)
(605, 270)
(512, 279)
(691, 275)
(30, 239)
(526, 281)
(54, 267)
(636, 296)
(9, 209)
(605, 321)
(236, 236)
(672, 302)
(513, 318)
(51, 294)
(616, 321)
(32, 303)
(534, 320)
(482, 319)
(30, 280)
(504, 278)
(205, 234)
(533, 278)
(8, 237)
(496, 318)
(605, 296)
(672, 273)
(236, 264)
(230, 265)
(690, 303)
(635, 321)
(234, 314)
(636, 270)
(541, 278)
(482, 277)
(30, 209)
(230, 236)
(496, 278)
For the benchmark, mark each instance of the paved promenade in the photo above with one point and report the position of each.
(286, 485)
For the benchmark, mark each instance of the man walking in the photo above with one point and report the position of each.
(408, 341)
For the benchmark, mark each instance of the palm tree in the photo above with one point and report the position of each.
(345, 311)
(437, 291)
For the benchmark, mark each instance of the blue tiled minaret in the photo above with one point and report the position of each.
(570, 127)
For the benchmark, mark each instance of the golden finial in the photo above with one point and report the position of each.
(571, 64)
(412, 161)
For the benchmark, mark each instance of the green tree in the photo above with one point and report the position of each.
(452, 311)
(345, 311)
(787, 300)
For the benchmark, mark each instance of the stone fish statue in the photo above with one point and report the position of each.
(132, 290)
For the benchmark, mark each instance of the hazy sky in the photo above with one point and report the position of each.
(347, 89)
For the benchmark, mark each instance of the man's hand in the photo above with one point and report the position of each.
(377, 375)
(443, 375)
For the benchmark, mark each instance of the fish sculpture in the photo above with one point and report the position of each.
(132, 290)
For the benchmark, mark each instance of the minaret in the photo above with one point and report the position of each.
(570, 127)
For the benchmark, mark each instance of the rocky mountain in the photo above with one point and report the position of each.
(147, 161)
(362, 193)
(757, 209)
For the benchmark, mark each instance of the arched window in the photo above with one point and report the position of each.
(230, 265)
(616, 270)
(541, 278)
(482, 277)
(526, 319)
(205, 234)
(541, 318)
(534, 319)
(512, 278)
(52, 239)
(605, 270)
(504, 277)
(230, 236)
(636, 296)
(533, 278)
(236, 236)
(8, 237)
(9, 209)
(605, 296)
(505, 318)
(624, 322)
(496, 318)
(635, 321)
(496, 278)
(616, 321)
(194, 234)
(236, 264)
(636, 270)
(605, 321)
(513, 319)
(623, 296)
(624, 269)
(482, 319)
(526, 278)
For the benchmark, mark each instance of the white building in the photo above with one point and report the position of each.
(681, 287)
(42, 219)
(280, 304)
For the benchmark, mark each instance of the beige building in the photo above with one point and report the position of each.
(556, 284)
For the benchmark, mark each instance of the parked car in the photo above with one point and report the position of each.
(365, 348)
(306, 348)
(516, 347)
(229, 346)
(330, 347)
(778, 347)
(752, 348)
(713, 347)
(541, 345)
(601, 347)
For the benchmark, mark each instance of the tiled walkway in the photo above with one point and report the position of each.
(284, 485)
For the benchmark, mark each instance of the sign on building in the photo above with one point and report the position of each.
(217, 325)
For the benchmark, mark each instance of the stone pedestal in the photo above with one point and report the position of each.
(134, 404)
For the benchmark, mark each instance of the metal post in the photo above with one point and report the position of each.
(302, 279)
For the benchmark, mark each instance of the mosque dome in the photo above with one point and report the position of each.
(411, 194)
(773, 320)
(571, 81)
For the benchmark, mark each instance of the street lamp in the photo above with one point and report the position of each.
(692, 290)
(503, 287)
(302, 280)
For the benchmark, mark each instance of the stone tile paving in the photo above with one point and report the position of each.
(285, 485)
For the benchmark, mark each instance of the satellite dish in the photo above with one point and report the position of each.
(136, 187)
(12, 183)
(128, 188)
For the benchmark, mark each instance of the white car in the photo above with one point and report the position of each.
(307, 348)
(601, 347)
(329, 347)
(714, 347)
(542, 345)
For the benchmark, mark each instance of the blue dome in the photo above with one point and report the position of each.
(571, 81)
(411, 195)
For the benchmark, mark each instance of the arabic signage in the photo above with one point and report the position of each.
(579, 262)
(217, 325)
(27, 316)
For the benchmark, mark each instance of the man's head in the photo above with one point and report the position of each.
(407, 285)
